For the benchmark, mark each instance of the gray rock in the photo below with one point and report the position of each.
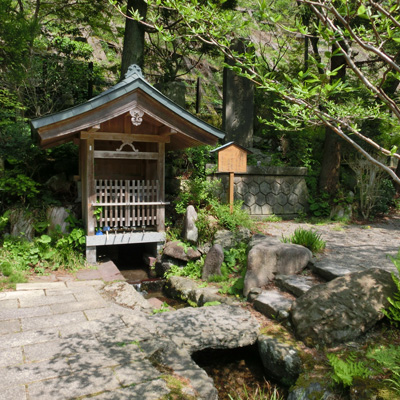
(343, 309)
(164, 264)
(213, 262)
(21, 224)
(59, 183)
(273, 304)
(314, 390)
(187, 289)
(125, 295)
(228, 239)
(268, 258)
(329, 269)
(56, 217)
(204, 248)
(217, 327)
(280, 360)
(254, 293)
(190, 231)
(295, 284)
(180, 251)
(225, 238)
(243, 235)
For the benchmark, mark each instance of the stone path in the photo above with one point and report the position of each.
(65, 340)
(350, 248)
(106, 271)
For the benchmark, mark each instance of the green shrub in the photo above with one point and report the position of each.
(17, 187)
(193, 269)
(393, 311)
(319, 205)
(307, 238)
(231, 220)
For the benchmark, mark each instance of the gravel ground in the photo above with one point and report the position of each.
(353, 247)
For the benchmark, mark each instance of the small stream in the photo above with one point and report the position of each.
(236, 372)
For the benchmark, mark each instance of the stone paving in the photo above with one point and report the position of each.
(350, 248)
(66, 340)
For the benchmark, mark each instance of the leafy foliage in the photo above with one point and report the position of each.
(393, 311)
(18, 256)
(307, 238)
(231, 220)
(192, 269)
(344, 371)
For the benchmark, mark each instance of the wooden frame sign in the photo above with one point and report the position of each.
(232, 158)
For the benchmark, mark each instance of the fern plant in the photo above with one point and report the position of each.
(344, 371)
(393, 311)
(388, 358)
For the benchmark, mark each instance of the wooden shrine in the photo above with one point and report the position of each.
(123, 135)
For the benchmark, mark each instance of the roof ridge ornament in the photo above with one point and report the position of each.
(134, 69)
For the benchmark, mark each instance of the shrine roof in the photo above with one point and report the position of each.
(133, 89)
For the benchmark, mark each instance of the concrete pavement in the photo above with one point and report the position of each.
(85, 339)
(56, 342)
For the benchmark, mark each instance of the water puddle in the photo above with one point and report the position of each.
(237, 372)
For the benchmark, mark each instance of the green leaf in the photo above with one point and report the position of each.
(361, 10)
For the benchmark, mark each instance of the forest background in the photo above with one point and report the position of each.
(326, 76)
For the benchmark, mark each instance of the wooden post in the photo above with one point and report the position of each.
(91, 187)
(161, 187)
(231, 187)
(232, 158)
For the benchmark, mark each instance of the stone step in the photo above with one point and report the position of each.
(330, 270)
(294, 284)
(273, 304)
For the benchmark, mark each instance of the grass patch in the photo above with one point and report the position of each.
(307, 238)
(272, 218)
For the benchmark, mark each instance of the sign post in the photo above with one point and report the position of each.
(232, 158)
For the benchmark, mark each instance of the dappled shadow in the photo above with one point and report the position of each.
(342, 309)
(353, 247)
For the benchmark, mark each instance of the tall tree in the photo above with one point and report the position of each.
(134, 36)
(306, 98)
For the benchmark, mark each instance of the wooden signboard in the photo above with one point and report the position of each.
(232, 158)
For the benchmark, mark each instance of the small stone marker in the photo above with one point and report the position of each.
(213, 262)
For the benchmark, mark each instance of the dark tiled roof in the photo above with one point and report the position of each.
(133, 80)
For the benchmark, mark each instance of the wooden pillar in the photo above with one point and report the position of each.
(161, 187)
(91, 187)
(231, 189)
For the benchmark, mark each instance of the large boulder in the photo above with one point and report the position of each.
(180, 251)
(342, 309)
(190, 231)
(280, 360)
(213, 262)
(269, 257)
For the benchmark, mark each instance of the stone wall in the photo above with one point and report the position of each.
(268, 190)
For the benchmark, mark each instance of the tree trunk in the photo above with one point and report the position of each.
(133, 49)
(330, 166)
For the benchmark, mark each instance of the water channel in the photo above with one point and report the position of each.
(236, 372)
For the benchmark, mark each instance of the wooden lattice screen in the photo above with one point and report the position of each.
(127, 204)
